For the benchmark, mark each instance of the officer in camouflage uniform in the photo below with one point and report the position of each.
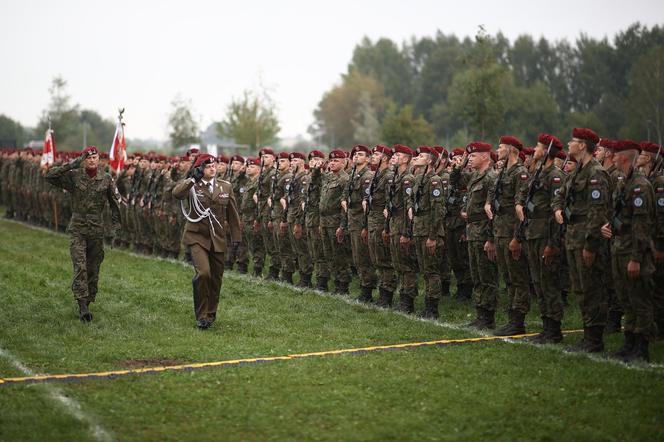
(279, 215)
(583, 204)
(509, 187)
(375, 205)
(630, 232)
(404, 257)
(295, 217)
(542, 237)
(354, 220)
(90, 189)
(426, 208)
(479, 232)
(248, 210)
(332, 188)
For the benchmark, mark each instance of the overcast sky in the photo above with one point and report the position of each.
(141, 54)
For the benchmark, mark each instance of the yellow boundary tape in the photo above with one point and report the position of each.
(201, 365)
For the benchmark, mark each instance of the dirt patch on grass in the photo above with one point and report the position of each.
(156, 362)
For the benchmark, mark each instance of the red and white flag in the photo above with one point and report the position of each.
(48, 154)
(118, 154)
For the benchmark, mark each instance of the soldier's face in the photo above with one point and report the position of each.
(503, 151)
(184, 166)
(643, 159)
(570, 166)
(375, 158)
(336, 164)
(360, 158)
(268, 160)
(92, 161)
(210, 171)
(284, 164)
(252, 170)
(297, 164)
(222, 167)
(421, 160)
(237, 165)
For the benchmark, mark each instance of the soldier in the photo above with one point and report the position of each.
(400, 232)
(312, 218)
(279, 215)
(479, 234)
(631, 250)
(295, 217)
(509, 188)
(212, 206)
(542, 237)
(262, 198)
(425, 208)
(90, 189)
(582, 205)
(374, 206)
(354, 220)
(238, 179)
(332, 189)
(253, 239)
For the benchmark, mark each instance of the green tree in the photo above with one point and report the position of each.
(365, 124)
(64, 116)
(184, 129)
(251, 119)
(12, 133)
(400, 126)
(646, 96)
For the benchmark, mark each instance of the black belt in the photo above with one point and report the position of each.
(575, 219)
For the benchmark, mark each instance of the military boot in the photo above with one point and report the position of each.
(258, 272)
(555, 332)
(366, 295)
(640, 352)
(273, 275)
(384, 298)
(287, 277)
(613, 322)
(592, 341)
(444, 288)
(406, 303)
(341, 287)
(305, 281)
(563, 298)
(514, 326)
(430, 308)
(83, 311)
(242, 268)
(321, 283)
(627, 347)
(543, 336)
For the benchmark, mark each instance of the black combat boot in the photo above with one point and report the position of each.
(384, 298)
(464, 293)
(514, 326)
(555, 332)
(592, 341)
(366, 295)
(430, 308)
(627, 347)
(273, 275)
(543, 336)
(83, 311)
(406, 303)
(242, 268)
(321, 283)
(341, 287)
(479, 319)
(287, 277)
(613, 322)
(563, 298)
(640, 352)
(305, 281)
(444, 289)
(258, 272)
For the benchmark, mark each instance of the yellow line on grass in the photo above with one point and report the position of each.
(200, 365)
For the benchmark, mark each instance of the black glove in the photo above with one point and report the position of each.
(197, 175)
(174, 174)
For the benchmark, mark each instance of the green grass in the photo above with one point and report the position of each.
(144, 312)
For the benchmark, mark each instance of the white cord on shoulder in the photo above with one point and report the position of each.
(200, 212)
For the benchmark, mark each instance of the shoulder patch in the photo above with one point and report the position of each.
(660, 189)
(638, 201)
(436, 193)
(637, 190)
(660, 202)
(595, 194)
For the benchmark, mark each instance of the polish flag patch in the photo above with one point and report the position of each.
(556, 179)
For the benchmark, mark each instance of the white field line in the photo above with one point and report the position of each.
(68, 404)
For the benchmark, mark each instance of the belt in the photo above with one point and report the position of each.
(477, 217)
(575, 219)
(86, 216)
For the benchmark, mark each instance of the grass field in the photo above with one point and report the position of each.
(143, 317)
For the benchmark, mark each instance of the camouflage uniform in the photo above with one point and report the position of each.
(279, 215)
(330, 219)
(295, 196)
(312, 226)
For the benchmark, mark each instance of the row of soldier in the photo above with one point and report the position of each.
(539, 219)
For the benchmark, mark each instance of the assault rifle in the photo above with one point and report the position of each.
(533, 187)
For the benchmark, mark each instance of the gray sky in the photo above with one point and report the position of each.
(140, 54)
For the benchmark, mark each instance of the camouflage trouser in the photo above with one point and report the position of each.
(335, 255)
(405, 263)
(484, 275)
(658, 297)
(304, 262)
(379, 252)
(636, 296)
(254, 243)
(546, 280)
(516, 274)
(284, 248)
(429, 267)
(362, 260)
(172, 236)
(456, 252)
(315, 247)
(607, 279)
(587, 286)
(270, 246)
(87, 254)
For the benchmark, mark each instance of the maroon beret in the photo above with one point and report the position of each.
(441, 151)
(527, 151)
(427, 149)
(360, 148)
(205, 158)
(90, 150)
(253, 161)
(494, 156)
(337, 153)
(547, 139)
(400, 148)
(283, 156)
(103, 155)
(316, 153)
(512, 141)
(185, 158)
(478, 146)
(239, 158)
(193, 150)
(624, 145)
(266, 151)
(647, 146)
(585, 134)
(299, 155)
(606, 143)
(457, 152)
(383, 149)
(561, 154)
(223, 159)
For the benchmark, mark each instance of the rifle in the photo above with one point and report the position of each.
(498, 190)
(390, 196)
(351, 187)
(289, 193)
(258, 191)
(533, 187)
(372, 187)
(570, 198)
(616, 222)
(452, 196)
